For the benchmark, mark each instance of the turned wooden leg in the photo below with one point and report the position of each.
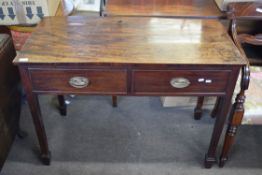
(198, 108)
(236, 115)
(114, 101)
(33, 104)
(218, 127)
(62, 105)
(216, 108)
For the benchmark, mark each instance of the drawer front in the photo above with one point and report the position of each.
(180, 81)
(79, 81)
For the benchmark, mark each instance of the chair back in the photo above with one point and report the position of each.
(245, 10)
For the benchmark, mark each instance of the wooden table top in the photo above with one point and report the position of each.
(127, 40)
(167, 8)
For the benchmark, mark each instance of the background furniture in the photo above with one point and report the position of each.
(163, 8)
(9, 95)
(245, 41)
(222, 4)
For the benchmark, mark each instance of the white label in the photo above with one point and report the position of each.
(201, 80)
(259, 10)
(208, 81)
(23, 59)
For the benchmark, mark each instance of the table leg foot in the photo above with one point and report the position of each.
(209, 161)
(222, 161)
(114, 101)
(46, 158)
(197, 114)
(198, 108)
(62, 105)
(62, 111)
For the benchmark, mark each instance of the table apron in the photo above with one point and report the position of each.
(130, 81)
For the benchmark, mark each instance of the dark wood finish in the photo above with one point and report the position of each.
(236, 115)
(239, 11)
(164, 8)
(100, 81)
(225, 103)
(217, 107)
(114, 101)
(150, 82)
(245, 22)
(10, 97)
(198, 108)
(245, 10)
(62, 105)
(220, 120)
(129, 56)
(36, 115)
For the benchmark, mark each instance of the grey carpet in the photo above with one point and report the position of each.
(136, 138)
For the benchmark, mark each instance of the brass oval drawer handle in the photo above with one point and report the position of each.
(179, 82)
(79, 82)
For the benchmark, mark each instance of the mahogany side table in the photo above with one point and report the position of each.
(129, 56)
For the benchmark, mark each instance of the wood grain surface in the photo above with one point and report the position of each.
(170, 8)
(245, 10)
(129, 40)
(100, 81)
(159, 81)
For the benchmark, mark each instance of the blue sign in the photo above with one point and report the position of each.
(2, 16)
(29, 13)
(11, 13)
(40, 13)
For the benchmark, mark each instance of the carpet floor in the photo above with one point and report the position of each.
(139, 137)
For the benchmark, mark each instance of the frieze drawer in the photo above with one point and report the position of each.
(79, 81)
(180, 81)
